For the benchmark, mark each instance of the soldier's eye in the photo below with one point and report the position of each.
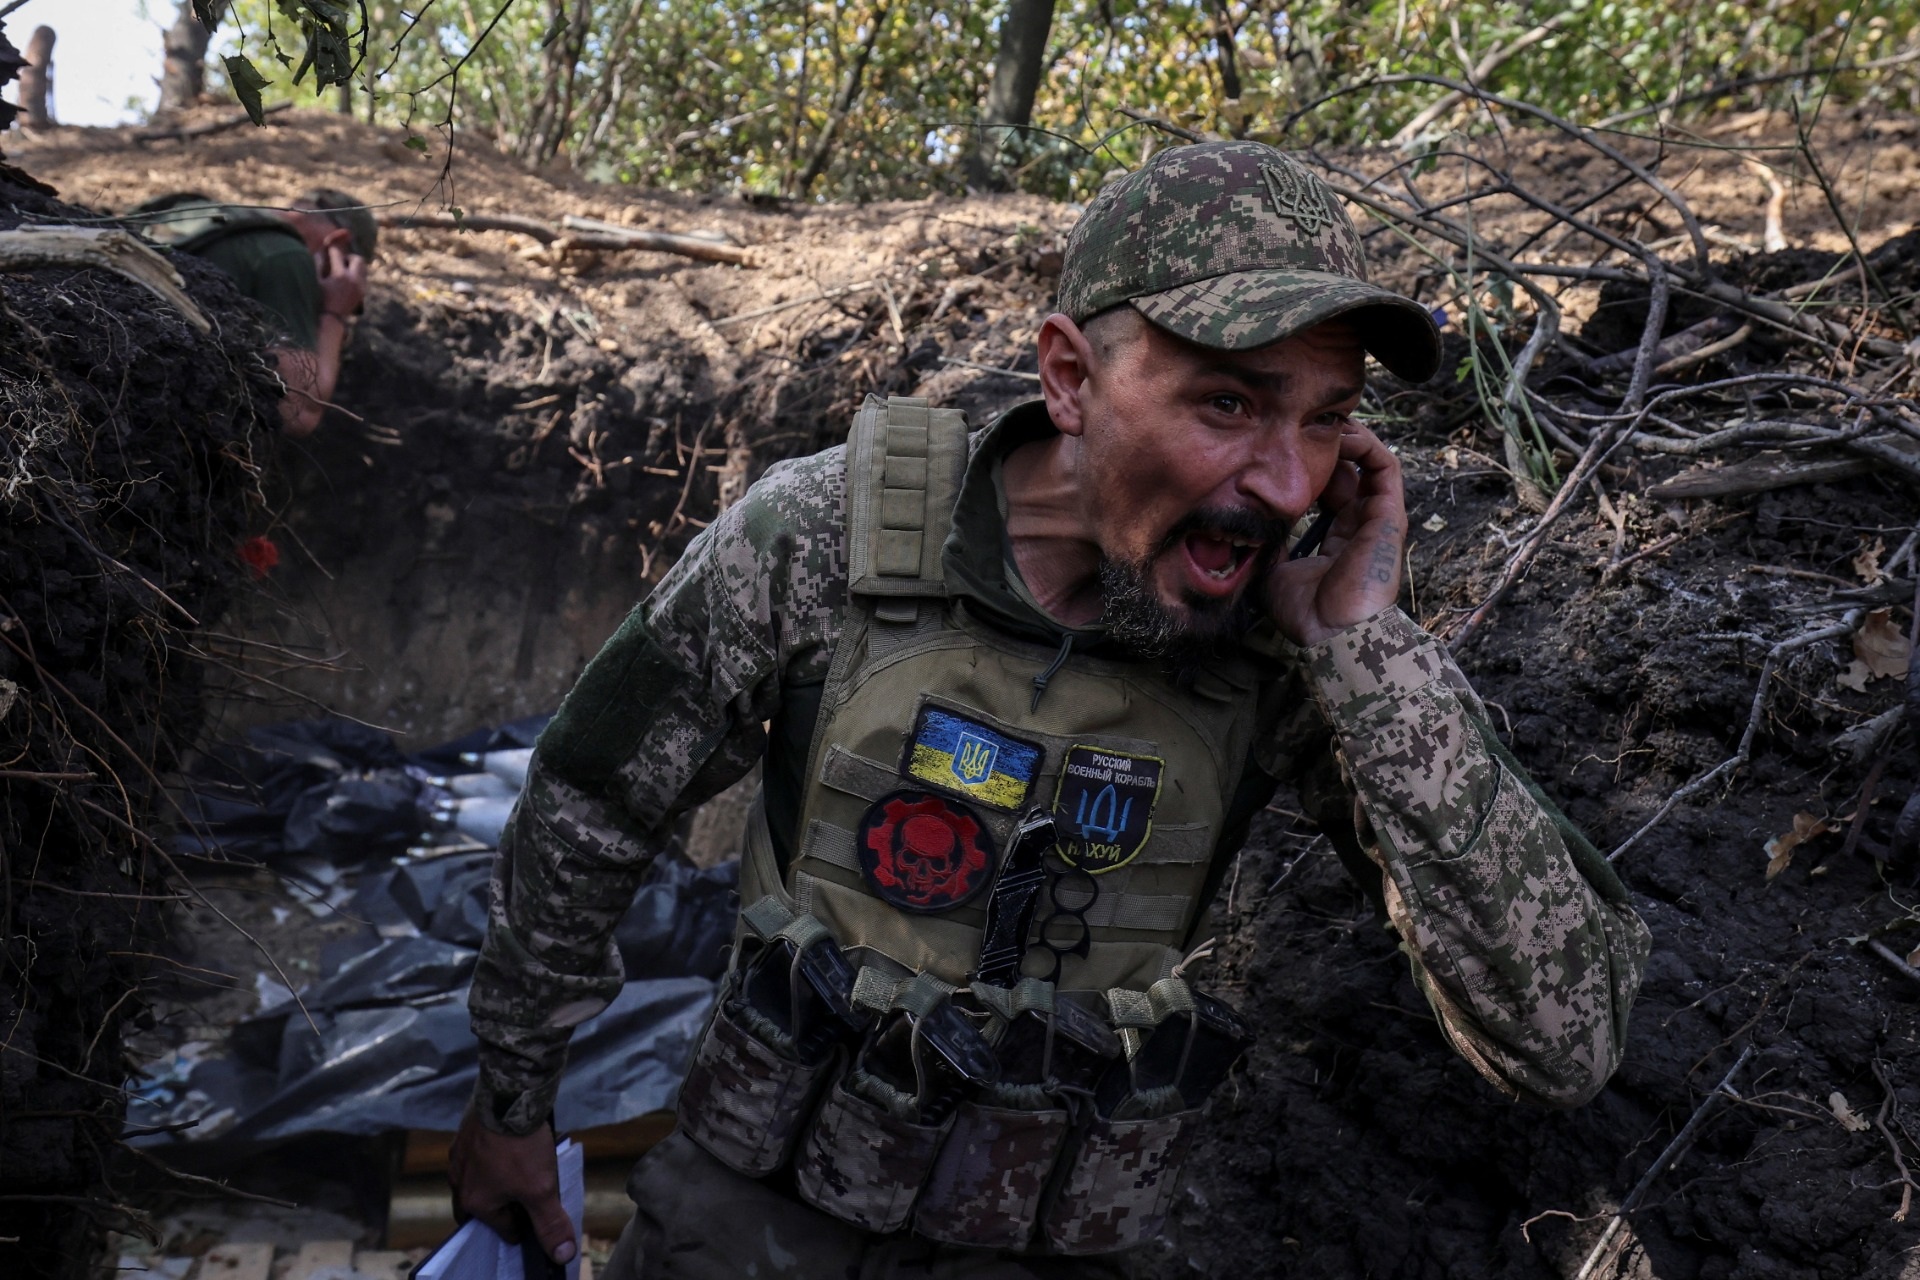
(1227, 404)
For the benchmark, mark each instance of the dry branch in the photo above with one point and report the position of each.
(590, 234)
(1681, 1141)
(146, 137)
(1760, 694)
(1757, 475)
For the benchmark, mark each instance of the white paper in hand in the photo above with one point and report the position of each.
(476, 1251)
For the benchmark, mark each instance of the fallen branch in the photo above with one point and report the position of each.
(1517, 564)
(1889, 1106)
(589, 235)
(147, 137)
(1740, 757)
(544, 232)
(1888, 954)
(1681, 1141)
(609, 235)
(825, 295)
(1757, 475)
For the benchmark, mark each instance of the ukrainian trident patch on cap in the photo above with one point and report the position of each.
(959, 754)
(924, 853)
(1104, 806)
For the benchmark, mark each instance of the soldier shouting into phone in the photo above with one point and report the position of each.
(1019, 694)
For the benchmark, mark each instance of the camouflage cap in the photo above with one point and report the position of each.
(1234, 245)
(350, 215)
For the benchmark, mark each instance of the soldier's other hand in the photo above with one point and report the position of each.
(343, 280)
(492, 1172)
(1356, 572)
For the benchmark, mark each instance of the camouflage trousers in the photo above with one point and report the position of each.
(696, 1219)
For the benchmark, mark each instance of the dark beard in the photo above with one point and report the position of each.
(1206, 629)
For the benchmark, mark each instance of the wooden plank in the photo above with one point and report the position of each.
(237, 1262)
(383, 1264)
(318, 1255)
(426, 1149)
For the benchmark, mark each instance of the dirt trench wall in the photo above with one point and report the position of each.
(499, 487)
(443, 562)
(126, 482)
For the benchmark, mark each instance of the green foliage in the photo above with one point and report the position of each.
(718, 94)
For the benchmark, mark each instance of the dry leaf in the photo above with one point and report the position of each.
(1913, 958)
(1867, 562)
(1881, 645)
(1855, 677)
(1837, 1102)
(1435, 523)
(1780, 849)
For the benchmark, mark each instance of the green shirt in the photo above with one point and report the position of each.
(271, 265)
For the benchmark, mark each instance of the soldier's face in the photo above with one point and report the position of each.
(1195, 464)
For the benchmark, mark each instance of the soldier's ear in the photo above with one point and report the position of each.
(1066, 362)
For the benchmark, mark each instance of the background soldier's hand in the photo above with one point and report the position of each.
(1356, 572)
(343, 281)
(492, 1172)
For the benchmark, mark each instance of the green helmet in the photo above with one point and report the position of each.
(1233, 245)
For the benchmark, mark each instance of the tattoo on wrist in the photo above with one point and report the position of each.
(1386, 557)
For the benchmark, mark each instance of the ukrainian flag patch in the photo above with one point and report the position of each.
(954, 753)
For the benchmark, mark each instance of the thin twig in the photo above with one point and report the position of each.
(1681, 1141)
(1740, 757)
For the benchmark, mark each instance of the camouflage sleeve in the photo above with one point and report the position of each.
(669, 713)
(1520, 934)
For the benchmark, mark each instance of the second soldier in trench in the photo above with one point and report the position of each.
(1018, 695)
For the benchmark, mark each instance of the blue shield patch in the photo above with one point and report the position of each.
(1104, 806)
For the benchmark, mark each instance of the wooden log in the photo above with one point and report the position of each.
(577, 233)
(608, 235)
(544, 232)
(1758, 475)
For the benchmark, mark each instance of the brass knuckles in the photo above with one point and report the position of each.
(1071, 893)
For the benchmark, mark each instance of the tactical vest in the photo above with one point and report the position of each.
(935, 735)
(190, 222)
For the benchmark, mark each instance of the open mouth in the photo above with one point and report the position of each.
(1218, 562)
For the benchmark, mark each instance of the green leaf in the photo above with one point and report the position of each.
(247, 83)
(415, 142)
(208, 12)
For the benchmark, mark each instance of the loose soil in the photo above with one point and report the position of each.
(564, 425)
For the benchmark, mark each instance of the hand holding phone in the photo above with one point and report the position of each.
(1354, 572)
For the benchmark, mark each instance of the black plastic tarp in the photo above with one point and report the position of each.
(384, 1043)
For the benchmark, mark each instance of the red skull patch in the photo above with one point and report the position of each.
(924, 853)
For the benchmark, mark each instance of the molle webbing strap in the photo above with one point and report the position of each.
(904, 464)
(1135, 1013)
(1030, 994)
(768, 917)
(882, 993)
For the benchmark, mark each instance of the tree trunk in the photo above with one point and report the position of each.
(183, 78)
(1229, 65)
(36, 79)
(843, 104)
(1016, 79)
